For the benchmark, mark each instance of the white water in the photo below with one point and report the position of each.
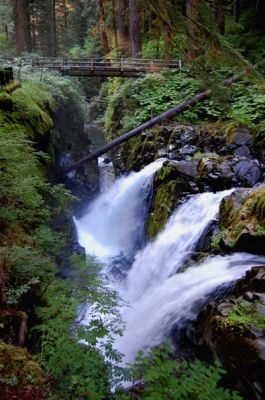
(158, 297)
(112, 222)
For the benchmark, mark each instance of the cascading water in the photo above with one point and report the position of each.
(158, 298)
(113, 222)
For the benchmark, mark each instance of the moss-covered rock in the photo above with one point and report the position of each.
(6, 103)
(20, 374)
(233, 331)
(242, 220)
(163, 205)
(171, 183)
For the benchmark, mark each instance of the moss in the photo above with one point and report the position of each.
(198, 155)
(163, 205)
(6, 102)
(11, 87)
(31, 111)
(17, 367)
(243, 213)
(134, 149)
(243, 315)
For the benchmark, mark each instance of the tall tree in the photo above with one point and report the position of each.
(22, 25)
(219, 15)
(135, 37)
(123, 30)
(104, 35)
(237, 7)
(192, 8)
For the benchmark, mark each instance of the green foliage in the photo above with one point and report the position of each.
(248, 107)
(7, 47)
(85, 340)
(165, 379)
(245, 314)
(217, 239)
(17, 367)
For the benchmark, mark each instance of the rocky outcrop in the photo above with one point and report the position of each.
(242, 221)
(69, 124)
(199, 159)
(171, 184)
(233, 331)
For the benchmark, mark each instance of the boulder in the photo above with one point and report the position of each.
(247, 172)
(242, 151)
(171, 184)
(241, 137)
(233, 331)
(242, 220)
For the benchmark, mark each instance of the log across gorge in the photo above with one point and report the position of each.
(181, 107)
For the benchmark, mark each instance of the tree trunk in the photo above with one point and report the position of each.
(22, 25)
(123, 31)
(135, 38)
(114, 21)
(80, 23)
(219, 15)
(184, 105)
(192, 13)
(237, 10)
(104, 36)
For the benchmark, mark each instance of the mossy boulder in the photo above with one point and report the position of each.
(6, 103)
(232, 330)
(171, 184)
(242, 220)
(20, 374)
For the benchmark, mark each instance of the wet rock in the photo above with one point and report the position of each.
(242, 151)
(187, 135)
(187, 168)
(242, 220)
(240, 137)
(248, 172)
(188, 150)
(171, 184)
(240, 346)
(204, 243)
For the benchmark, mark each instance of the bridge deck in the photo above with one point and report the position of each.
(123, 67)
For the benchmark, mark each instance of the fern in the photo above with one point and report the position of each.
(165, 379)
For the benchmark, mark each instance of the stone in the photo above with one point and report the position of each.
(242, 151)
(240, 137)
(187, 168)
(261, 346)
(248, 172)
(204, 243)
(188, 150)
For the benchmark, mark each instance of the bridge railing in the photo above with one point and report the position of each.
(97, 64)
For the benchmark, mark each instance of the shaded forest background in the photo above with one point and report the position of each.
(149, 29)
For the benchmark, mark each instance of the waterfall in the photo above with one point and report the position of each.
(113, 222)
(158, 298)
(176, 299)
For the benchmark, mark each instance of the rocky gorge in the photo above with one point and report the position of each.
(231, 328)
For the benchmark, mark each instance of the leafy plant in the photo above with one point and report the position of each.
(245, 314)
(164, 378)
(91, 362)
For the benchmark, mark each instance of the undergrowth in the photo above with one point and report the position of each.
(132, 102)
(165, 379)
(245, 314)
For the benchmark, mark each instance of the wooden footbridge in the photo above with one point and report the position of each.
(97, 67)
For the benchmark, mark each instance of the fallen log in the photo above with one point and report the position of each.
(184, 105)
